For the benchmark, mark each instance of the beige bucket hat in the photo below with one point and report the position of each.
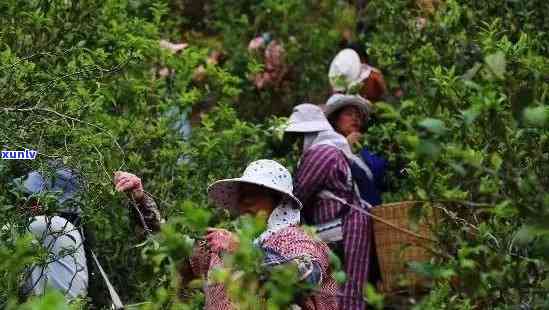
(307, 117)
(339, 101)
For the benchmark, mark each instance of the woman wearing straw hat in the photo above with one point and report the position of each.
(324, 173)
(265, 187)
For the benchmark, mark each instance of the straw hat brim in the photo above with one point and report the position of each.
(224, 193)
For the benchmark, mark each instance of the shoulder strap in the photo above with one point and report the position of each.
(362, 165)
(116, 302)
(326, 194)
(365, 211)
(353, 158)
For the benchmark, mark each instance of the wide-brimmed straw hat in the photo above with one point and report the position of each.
(265, 173)
(339, 101)
(307, 117)
(345, 70)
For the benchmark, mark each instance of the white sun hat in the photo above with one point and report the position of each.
(345, 70)
(265, 173)
(307, 117)
(339, 101)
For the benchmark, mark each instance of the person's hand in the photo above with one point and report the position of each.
(129, 183)
(399, 93)
(221, 240)
(200, 74)
(354, 138)
(173, 47)
(256, 43)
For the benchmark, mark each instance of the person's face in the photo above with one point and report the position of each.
(254, 199)
(349, 121)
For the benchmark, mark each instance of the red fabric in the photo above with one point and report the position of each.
(373, 88)
(325, 167)
(202, 262)
(275, 66)
(289, 242)
(292, 242)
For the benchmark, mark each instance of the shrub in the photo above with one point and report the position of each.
(80, 84)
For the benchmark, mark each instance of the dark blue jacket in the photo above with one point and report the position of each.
(370, 189)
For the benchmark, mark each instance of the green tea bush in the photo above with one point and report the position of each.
(467, 128)
(80, 83)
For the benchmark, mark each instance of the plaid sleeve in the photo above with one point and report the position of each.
(147, 215)
(200, 259)
(216, 296)
(202, 263)
(311, 257)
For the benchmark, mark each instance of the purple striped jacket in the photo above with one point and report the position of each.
(324, 167)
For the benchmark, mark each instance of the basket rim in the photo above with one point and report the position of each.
(394, 226)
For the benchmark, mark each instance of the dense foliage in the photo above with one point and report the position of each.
(80, 84)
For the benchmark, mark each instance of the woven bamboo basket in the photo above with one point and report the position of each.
(396, 247)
